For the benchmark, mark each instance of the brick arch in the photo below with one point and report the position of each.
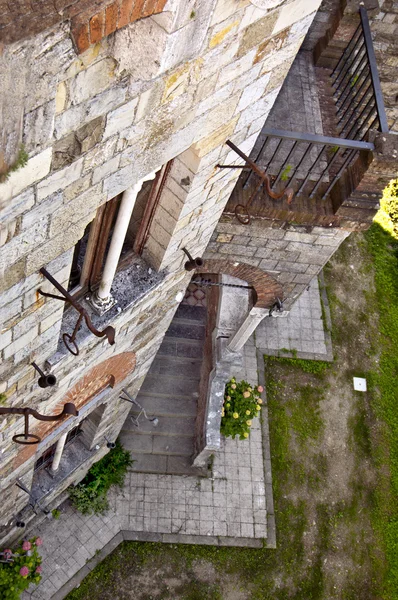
(110, 372)
(267, 289)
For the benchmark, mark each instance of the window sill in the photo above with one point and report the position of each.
(129, 286)
(73, 457)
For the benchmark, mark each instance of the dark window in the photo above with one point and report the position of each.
(91, 250)
(46, 458)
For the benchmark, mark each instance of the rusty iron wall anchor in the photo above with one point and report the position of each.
(30, 438)
(44, 380)
(109, 331)
(241, 209)
(33, 502)
(192, 263)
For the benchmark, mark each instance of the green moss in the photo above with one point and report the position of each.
(315, 367)
(286, 172)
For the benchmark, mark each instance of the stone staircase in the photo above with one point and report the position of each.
(170, 393)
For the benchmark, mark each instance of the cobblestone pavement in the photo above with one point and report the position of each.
(232, 507)
(302, 332)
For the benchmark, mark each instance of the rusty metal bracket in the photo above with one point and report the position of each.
(44, 380)
(33, 502)
(278, 305)
(68, 339)
(192, 263)
(30, 438)
(242, 211)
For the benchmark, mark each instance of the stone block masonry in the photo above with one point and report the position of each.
(168, 87)
(290, 253)
(91, 19)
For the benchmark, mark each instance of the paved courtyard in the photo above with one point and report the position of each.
(302, 332)
(233, 506)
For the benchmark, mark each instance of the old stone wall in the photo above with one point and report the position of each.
(171, 86)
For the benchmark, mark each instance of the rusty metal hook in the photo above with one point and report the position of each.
(109, 331)
(241, 209)
(30, 438)
(192, 263)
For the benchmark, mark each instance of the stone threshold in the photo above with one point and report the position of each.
(328, 356)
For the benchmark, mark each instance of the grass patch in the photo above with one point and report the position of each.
(90, 495)
(342, 532)
(383, 246)
(308, 366)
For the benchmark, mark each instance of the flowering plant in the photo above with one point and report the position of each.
(242, 402)
(22, 570)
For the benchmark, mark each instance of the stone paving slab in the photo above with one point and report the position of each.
(227, 509)
(302, 332)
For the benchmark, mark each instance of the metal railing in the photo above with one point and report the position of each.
(310, 164)
(357, 91)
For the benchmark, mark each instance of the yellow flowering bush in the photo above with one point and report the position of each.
(241, 401)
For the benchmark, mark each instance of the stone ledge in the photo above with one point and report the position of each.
(129, 286)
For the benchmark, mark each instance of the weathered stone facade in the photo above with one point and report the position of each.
(172, 86)
(293, 255)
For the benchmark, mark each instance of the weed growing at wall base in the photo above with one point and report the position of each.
(89, 496)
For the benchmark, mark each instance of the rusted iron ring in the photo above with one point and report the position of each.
(36, 439)
(68, 337)
(241, 218)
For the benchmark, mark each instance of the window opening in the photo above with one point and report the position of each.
(46, 459)
(109, 241)
(90, 251)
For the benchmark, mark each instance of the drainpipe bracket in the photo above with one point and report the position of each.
(101, 305)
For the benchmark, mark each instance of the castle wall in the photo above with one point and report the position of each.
(172, 86)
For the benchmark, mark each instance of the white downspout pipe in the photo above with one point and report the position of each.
(102, 299)
(58, 453)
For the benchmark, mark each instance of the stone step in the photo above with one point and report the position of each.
(171, 465)
(192, 313)
(157, 444)
(181, 348)
(170, 386)
(176, 367)
(157, 405)
(167, 425)
(186, 329)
